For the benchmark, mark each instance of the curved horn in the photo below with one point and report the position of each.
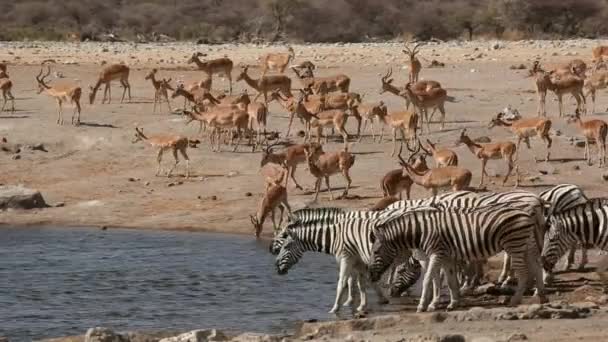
(424, 149)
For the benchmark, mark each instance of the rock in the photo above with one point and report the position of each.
(16, 157)
(576, 167)
(517, 337)
(517, 67)
(198, 336)
(495, 46)
(101, 334)
(488, 288)
(18, 197)
(248, 194)
(146, 336)
(482, 139)
(38, 147)
(605, 176)
(547, 169)
(214, 198)
(131, 179)
(579, 143)
(452, 338)
(59, 205)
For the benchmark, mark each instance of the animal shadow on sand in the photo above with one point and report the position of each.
(99, 125)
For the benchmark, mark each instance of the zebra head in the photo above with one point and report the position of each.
(289, 255)
(407, 274)
(558, 240)
(280, 237)
(382, 256)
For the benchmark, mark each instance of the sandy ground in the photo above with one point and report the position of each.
(105, 180)
(89, 167)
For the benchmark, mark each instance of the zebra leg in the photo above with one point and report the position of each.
(520, 265)
(506, 273)
(450, 272)
(437, 285)
(602, 266)
(433, 268)
(362, 283)
(571, 256)
(535, 268)
(351, 284)
(345, 272)
(584, 258)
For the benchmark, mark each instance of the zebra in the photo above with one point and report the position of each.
(349, 240)
(587, 223)
(563, 197)
(450, 235)
(406, 275)
(519, 199)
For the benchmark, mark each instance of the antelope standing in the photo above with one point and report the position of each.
(369, 111)
(598, 80)
(160, 89)
(395, 181)
(433, 98)
(415, 65)
(108, 74)
(258, 113)
(484, 152)
(275, 196)
(6, 85)
(222, 118)
(164, 143)
(290, 157)
(277, 61)
(592, 130)
(442, 156)
(323, 165)
(420, 87)
(324, 85)
(199, 98)
(457, 178)
(266, 84)
(563, 84)
(402, 121)
(335, 118)
(220, 66)
(61, 93)
(305, 110)
(599, 52)
(525, 129)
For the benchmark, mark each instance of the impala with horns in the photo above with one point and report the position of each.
(343, 101)
(395, 181)
(420, 87)
(405, 122)
(434, 98)
(453, 177)
(200, 99)
(305, 110)
(442, 156)
(6, 86)
(568, 83)
(414, 64)
(106, 76)
(323, 85)
(61, 93)
(266, 84)
(484, 152)
(277, 61)
(291, 157)
(525, 129)
(322, 165)
(593, 130)
(221, 66)
(223, 118)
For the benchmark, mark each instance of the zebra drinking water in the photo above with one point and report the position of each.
(448, 236)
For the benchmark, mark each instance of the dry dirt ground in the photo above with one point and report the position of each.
(105, 180)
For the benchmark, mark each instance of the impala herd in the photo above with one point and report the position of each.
(327, 103)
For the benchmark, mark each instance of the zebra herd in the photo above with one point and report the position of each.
(450, 234)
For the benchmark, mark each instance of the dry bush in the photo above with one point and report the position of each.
(304, 20)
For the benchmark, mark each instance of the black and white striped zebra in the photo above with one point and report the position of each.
(586, 223)
(406, 276)
(349, 240)
(448, 236)
(518, 198)
(563, 197)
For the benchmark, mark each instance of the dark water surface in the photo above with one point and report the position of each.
(57, 282)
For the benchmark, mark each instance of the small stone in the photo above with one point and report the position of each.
(483, 140)
(131, 179)
(248, 194)
(60, 205)
(579, 143)
(100, 334)
(16, 157)
(517, 337)
(214, 198)
(452, 338)
(605, 176)
(104, 227)
(576, 167)
(171, 184)
(147, 183)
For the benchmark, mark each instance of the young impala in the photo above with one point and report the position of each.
(595, 130)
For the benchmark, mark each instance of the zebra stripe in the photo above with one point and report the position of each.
(587, 223)
(451, 235)
(407, 274)
(349, 240)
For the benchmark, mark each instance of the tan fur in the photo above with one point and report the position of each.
(275, 196)
(598, 80)
(258, 113)
(324, 85)
(403, 121)
(305, 110)
(525, 129)
(61, 93)
(161, 88)
(423, 101)
(414, 64)
(599, 52)
(164, 143)
(201, 99)
(383, 203)
(369, 111)
(221, 66)
(453, 177)
(266, 84)
(484, 152)
(6, 86)
(290, 157)
(322, 165)
(277, 61)
(230, 119)
(108, 74)
(419, 87)
(335, 118)
(442, 156)
(342, 101)
(560, 84)
(592, 130)
(395, 182)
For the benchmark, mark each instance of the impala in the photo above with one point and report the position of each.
(61, 93)
(106, 76)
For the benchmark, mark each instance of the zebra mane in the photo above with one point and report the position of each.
(395, 214)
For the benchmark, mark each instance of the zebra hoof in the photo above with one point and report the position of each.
(420, 309)
(348, 302)
(333, 311)
(383, 301)
(452, 306)
(360, 314)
